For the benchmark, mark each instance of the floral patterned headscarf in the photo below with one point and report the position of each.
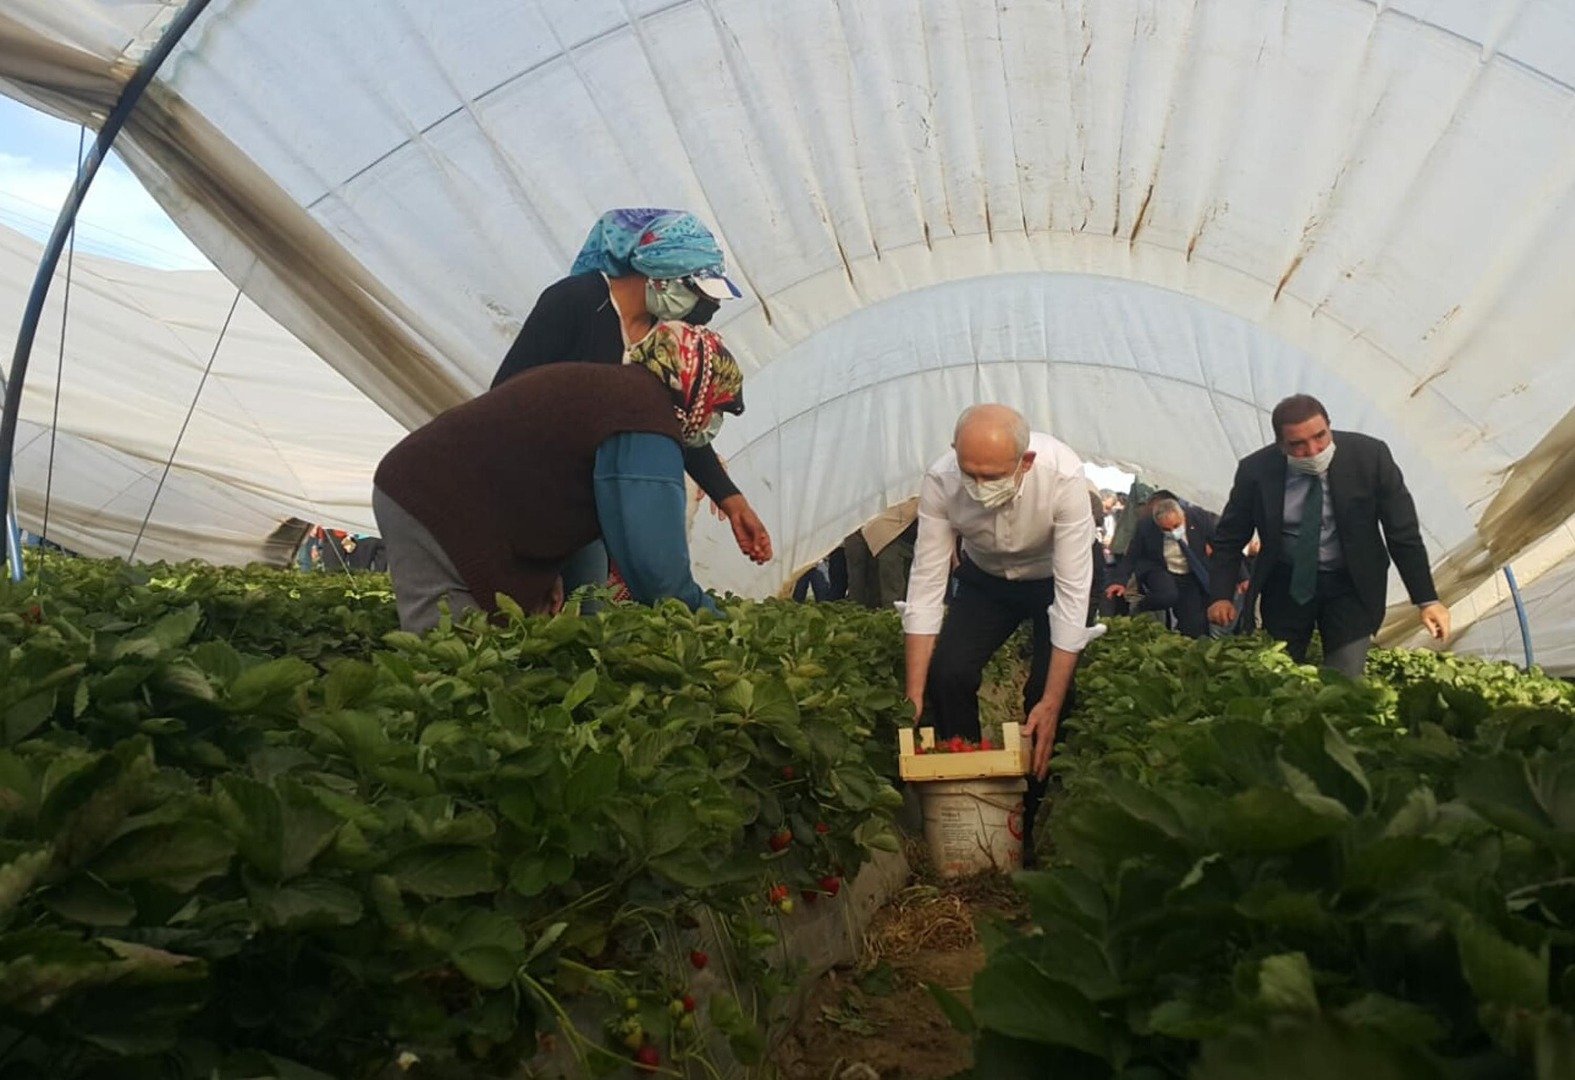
(696, 366)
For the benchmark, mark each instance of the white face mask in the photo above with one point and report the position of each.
(1316, 465)
(669, 300)
(993, 493)
(705, 435)
(1178, 533)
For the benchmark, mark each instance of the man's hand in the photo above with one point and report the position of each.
(1435, 617)
(918, 708)
(1242, 587)
(753, 539)
(1222, 613)
(1043, 719)
(1115, 592)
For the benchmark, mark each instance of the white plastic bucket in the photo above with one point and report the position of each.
(974, 825)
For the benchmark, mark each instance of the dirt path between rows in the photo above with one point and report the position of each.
(877, 1020)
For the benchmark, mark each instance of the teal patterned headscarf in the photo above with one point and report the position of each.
(661, 244)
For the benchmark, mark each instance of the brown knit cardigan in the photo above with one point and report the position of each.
(504, 481)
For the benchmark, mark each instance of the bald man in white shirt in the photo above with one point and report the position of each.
(1018, 501)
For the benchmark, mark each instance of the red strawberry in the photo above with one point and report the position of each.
(830, 885)
(955, 744)
(777, 893)
(780, 839)
(918, 749)
(646, 1059)
(699, 959)
(986, 744)
(787, 772)
(689, 1003)
(822, 828)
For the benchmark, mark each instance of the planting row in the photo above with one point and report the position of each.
(1259, 873)
(247, 829)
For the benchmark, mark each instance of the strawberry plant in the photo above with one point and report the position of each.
(1257, 870)
(246, 825)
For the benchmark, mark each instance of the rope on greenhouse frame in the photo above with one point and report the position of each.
(184, 423)
(60, 368)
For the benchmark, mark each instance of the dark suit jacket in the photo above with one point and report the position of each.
(1146, 552)
(1368, 494)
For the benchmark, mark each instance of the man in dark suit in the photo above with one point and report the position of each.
(1168, 554)
(1330, 524)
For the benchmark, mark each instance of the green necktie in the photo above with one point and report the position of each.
(1304, 552)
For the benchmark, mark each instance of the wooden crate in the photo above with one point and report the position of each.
(1013, 760)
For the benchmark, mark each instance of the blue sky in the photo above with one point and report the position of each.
(38, 157)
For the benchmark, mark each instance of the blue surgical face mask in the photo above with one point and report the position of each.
(1178, 533)
(669, 300)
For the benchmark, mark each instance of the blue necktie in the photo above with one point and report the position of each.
(1197, 564)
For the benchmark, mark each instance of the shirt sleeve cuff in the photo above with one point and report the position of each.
(920, 618)
(1074, 638)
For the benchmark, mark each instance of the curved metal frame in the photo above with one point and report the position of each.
(116, 120)
(1520, 613)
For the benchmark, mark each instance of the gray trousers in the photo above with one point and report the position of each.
(423, 574)
(877, 581)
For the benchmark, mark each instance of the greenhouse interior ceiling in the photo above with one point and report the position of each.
(1142, 224)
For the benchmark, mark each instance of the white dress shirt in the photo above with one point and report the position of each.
(1046, 531)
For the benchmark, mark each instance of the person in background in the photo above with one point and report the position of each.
(1168, 556)
(1332, 510)
(879, 554)
(815, 581)
(555, 458)
(1017, 500)
(637, 267)
(1096, 594)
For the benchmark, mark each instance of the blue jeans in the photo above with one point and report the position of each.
(640, 503)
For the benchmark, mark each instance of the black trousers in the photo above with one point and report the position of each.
(1335, 612)
(985, 611)
(1180, 594)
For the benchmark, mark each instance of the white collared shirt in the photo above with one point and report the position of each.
(1046, 531)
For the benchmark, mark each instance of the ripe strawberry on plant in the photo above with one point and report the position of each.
(698, 960)
(647, 1058)
(777, 893)
(780, 839)
(822, 828)
(830, 885)
(788, 773)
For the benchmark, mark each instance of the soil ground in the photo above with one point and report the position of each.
(878, 1020)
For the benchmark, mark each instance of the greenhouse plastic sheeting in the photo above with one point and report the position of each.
(1550, 611)
(276, 435)
(1142, 223)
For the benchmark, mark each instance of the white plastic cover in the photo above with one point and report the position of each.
(276, 433)
(1140, 222)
